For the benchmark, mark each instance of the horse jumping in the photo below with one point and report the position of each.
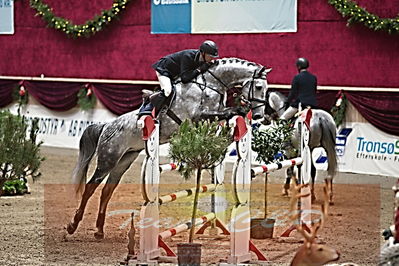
(118, 143)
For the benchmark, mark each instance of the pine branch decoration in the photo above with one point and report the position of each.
(86, 98)
(338, 111)
(357, 14)
(88, 29)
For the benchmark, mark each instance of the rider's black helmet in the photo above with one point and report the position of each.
(302, 63)
(209, 47)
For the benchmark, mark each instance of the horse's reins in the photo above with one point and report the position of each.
(204, 86)
(251, 98)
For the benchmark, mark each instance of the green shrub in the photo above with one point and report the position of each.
(271, 141)
(20, 154)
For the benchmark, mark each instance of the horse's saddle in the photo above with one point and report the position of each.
(158, 102)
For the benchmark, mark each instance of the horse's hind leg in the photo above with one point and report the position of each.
(112, 183)
(90, 187)
(313, 176)
(329, 185)
(289, 175)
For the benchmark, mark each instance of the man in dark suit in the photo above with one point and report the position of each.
(303, 90)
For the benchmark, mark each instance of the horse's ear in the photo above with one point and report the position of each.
(268, 70)
(260, 73)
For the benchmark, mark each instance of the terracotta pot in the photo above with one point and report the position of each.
(189, 254)
(262, 228)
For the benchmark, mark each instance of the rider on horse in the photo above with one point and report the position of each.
(186, 65)
(303, 90)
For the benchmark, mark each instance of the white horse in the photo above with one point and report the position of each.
(322, 134)
(119, 142)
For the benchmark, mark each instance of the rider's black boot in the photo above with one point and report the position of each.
(157, 101)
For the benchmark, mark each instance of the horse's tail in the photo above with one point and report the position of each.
(328, 139)
(87, 148)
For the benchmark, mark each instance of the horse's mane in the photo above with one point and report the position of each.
(233, 60)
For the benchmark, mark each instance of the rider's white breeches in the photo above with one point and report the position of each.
(165, 83)
(290, 112)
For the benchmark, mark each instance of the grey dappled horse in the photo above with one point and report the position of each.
(322, 134)
(118, 143)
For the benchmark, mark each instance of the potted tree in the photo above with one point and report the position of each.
(196, 147)
(269, 143)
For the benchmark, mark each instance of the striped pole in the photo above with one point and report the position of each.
(275, 166)
(186, 193)
(184, 227)
(167, 167)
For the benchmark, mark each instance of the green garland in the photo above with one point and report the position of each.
(357, 14)
(339, 109)
(20, 94)
(88, 29)
(86, 98)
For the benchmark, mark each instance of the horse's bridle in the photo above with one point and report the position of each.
(256, 75)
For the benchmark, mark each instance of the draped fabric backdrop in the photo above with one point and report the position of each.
(381, 109)
(62, 96)
(125, 49)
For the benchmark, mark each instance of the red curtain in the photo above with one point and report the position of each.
(381, 109)
(62, 96)
(120, 99)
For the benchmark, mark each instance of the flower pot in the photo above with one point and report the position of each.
(262, 228)
(189, 253)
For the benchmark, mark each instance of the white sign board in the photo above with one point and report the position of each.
(6, 16)
(63, 129)
(243, 16)
(362, 148)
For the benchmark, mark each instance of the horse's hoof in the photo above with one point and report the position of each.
(331, 203)
(99, 236)
(71, 228)
(284, 193)
(313, 199)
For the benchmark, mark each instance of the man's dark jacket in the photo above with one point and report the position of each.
(183, 64)
(303, 89)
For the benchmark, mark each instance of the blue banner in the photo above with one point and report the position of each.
(170, 16)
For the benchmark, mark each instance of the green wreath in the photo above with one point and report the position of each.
(88, 29)
(357, 14)
(86, 98)
(20, 94)
(339, 109)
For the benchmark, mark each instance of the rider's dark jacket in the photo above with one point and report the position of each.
(183, 64)
(303, 90)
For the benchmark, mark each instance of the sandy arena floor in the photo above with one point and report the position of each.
(32, 227)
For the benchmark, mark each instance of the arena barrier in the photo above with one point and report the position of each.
(151, 240)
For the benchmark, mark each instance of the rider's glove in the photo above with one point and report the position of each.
(204, 67)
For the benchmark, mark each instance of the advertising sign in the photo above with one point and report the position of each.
(362, 148)
(223, 16)
(63, 129)
(6, 17)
